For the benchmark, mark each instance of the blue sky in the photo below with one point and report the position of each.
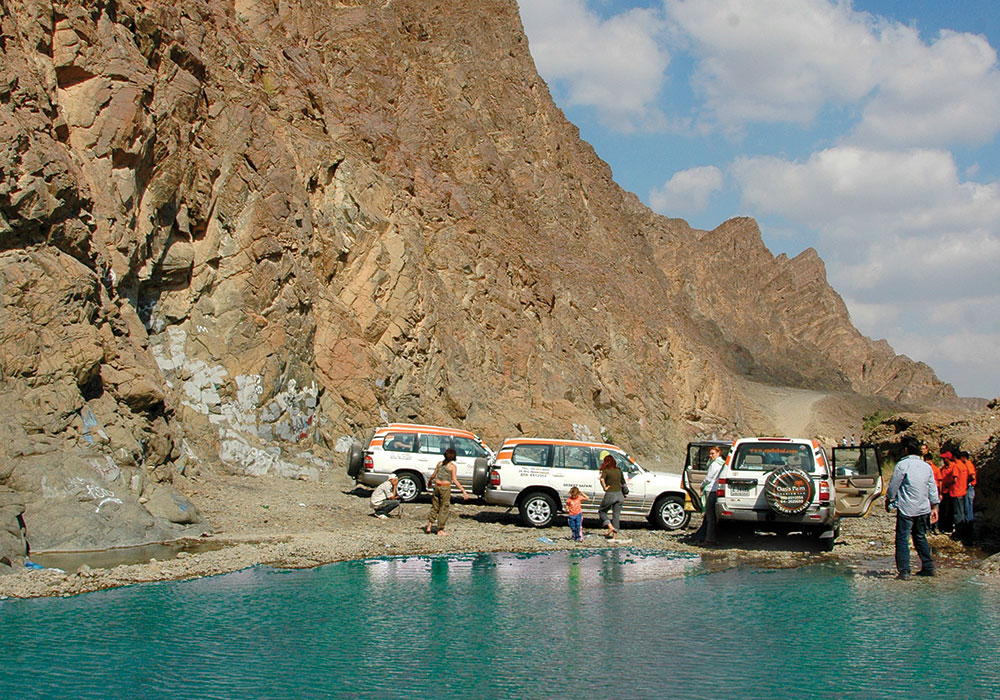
(866, 130)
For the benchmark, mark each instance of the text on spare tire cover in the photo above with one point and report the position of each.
(789, 491)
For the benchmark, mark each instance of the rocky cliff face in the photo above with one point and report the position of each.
(236, 233)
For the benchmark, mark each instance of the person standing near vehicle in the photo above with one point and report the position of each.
(611, 481)
(444, 476)
(914, 494)
(574, 512)
(927, 456)
(709, 495)
(384, 498)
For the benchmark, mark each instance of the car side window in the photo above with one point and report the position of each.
(854, 461)
(399, 442)
(696, 457)
(434, 444)
(531, 455)
(572, 457)
(465, 447)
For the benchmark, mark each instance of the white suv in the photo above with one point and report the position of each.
(536, 475)
(411, 452)
(789, 485)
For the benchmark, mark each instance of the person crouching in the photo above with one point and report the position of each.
(384, 498)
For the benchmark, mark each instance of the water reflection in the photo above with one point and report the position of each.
(604, 623)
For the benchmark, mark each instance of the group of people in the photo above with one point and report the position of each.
(928, 497)
(385, 498)
(956, 482)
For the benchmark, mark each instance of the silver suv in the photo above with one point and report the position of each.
(789, 485)
(410, 452)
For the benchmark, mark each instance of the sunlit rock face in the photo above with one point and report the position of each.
(234, 233)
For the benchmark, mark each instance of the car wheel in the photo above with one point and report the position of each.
(480, 476)
(669, 513)
(826, 543)
(788, 491)
(355, 460)
(409, 486)
(537, 509)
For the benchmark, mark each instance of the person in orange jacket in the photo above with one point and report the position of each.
(956, 485)
(948, 517)
(970, 494)
(925, 454)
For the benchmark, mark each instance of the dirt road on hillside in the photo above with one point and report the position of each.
(791, 410)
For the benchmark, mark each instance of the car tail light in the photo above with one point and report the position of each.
(494, 478)
(369, 463)
(721, 490)
(824, 492)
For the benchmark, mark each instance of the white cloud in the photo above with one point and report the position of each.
(850, 192)
(937, 94)
(617, 66)
(776, 61)
(687, 191)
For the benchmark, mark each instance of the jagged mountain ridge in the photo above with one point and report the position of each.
(236, 232)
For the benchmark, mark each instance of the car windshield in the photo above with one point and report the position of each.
(626, 463)
(766, 456)
(466, 447)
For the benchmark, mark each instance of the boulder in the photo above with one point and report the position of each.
(13, 547)
(167, 503)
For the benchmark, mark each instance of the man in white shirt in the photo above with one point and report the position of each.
(709, 486)
(384, 498)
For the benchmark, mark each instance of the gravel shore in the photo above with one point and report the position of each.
(297, 524)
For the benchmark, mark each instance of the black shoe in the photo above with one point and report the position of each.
(927, 572)
(903, 576)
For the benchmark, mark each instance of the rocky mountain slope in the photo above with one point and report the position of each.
(235, 234)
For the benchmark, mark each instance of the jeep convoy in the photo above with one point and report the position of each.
(777, 484)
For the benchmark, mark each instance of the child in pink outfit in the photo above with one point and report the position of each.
(574, 510)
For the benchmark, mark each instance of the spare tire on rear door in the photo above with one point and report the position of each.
(355, 460)
(480, 476)
(788, 491)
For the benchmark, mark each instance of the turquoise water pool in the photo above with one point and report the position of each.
(606, 624)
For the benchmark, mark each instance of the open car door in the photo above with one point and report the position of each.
(696, 467)
(858, 479)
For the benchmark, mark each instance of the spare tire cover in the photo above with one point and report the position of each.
(355, 460)
(480, 475)
(788, 491)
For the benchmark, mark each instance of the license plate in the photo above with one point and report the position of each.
(740, 489)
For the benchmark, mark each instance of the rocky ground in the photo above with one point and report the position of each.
(294, 523)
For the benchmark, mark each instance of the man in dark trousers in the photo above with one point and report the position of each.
(914, 494)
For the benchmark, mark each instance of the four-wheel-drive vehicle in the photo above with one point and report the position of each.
(411, 452)
(536, 474)
(789, 485)
(696, 467)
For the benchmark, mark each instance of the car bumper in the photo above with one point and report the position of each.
(818, 517)
(500, 498)
(371, 478)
